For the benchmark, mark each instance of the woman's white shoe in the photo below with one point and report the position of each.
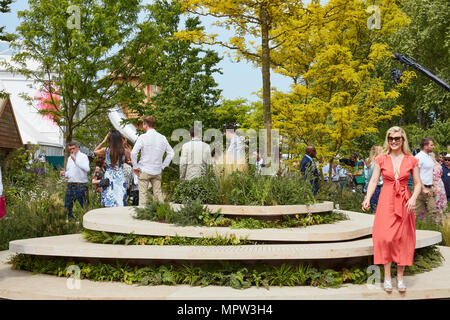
(401, 286)
(388, 285)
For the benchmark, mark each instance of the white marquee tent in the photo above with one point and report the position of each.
(34, 128)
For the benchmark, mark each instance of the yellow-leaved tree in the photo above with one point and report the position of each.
(260, 27)
(337, 96)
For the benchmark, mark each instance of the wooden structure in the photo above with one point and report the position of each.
(9, 131)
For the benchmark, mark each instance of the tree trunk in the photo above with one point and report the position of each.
(330, 173)
(265, 63)
(421, 118)
(68, 139)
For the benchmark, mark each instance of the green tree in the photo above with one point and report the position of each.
(239, 113)
(81, 47)
(91, 133)
(4, 8)
(426, 40)
(259, 28)
(182, 72)
(339, 97)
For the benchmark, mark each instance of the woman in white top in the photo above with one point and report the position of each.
(375, 151)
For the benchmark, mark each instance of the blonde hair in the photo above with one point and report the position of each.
(405, 145)
(433, 156)
(374, 152)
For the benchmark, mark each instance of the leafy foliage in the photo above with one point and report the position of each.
(181, 73)
(133, 239)
(263, 20)
(194, 213)
(35, 201)
(337, 96)
(205, 189)
(35, 210)
(84, 63)
(239, 113)
(296, 221)
(425, 40)
(345, 198)
(4, 8)
(233, 274)
(439, 131)
(189, 214)
(242, 188)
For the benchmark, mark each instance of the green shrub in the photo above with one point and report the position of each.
(237, 275)
(245, 188)
(291, 191)
(133, 239)
(194, 213)
(346, 198)
(35, 202)
(27, 222)
(204, 188)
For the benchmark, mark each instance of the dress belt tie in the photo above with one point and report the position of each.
(400, 191)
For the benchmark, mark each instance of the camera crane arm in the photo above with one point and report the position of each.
(407, 61)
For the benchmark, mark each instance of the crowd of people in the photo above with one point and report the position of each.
(356, 174)
(400, 186)
(119, 175)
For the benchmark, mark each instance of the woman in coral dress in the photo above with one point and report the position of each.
(394, 229)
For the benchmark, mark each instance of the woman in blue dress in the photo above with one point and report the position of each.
(114, 195)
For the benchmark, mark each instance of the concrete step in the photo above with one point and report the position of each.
(23, 285)
(121, 220)
(76, 246)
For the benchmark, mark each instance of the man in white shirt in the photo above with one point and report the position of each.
(425, 201)
(76, 173)
(152, 146)
(335, 172)
(236, 147)
(195, 157)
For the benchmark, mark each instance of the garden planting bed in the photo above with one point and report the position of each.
(264, 211)
(218, 245)
(121, 220)
(77, 246)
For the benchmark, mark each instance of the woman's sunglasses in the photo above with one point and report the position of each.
(391, 139)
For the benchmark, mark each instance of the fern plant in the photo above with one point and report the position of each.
(234, 274)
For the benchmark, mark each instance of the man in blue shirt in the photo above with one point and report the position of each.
(308, 167)
(446, 175)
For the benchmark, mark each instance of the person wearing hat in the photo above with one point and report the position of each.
(446, 175)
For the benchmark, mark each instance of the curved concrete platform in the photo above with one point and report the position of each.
(76, 246)
(120, 220)
(24, 285)
(266, 210)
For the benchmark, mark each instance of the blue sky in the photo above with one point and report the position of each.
(239, 80)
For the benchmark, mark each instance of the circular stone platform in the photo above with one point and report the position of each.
(76, 246)
(14, 284)
(121, 220)
(266, 210)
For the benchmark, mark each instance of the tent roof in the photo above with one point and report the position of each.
(33, 127)
(10, 137)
